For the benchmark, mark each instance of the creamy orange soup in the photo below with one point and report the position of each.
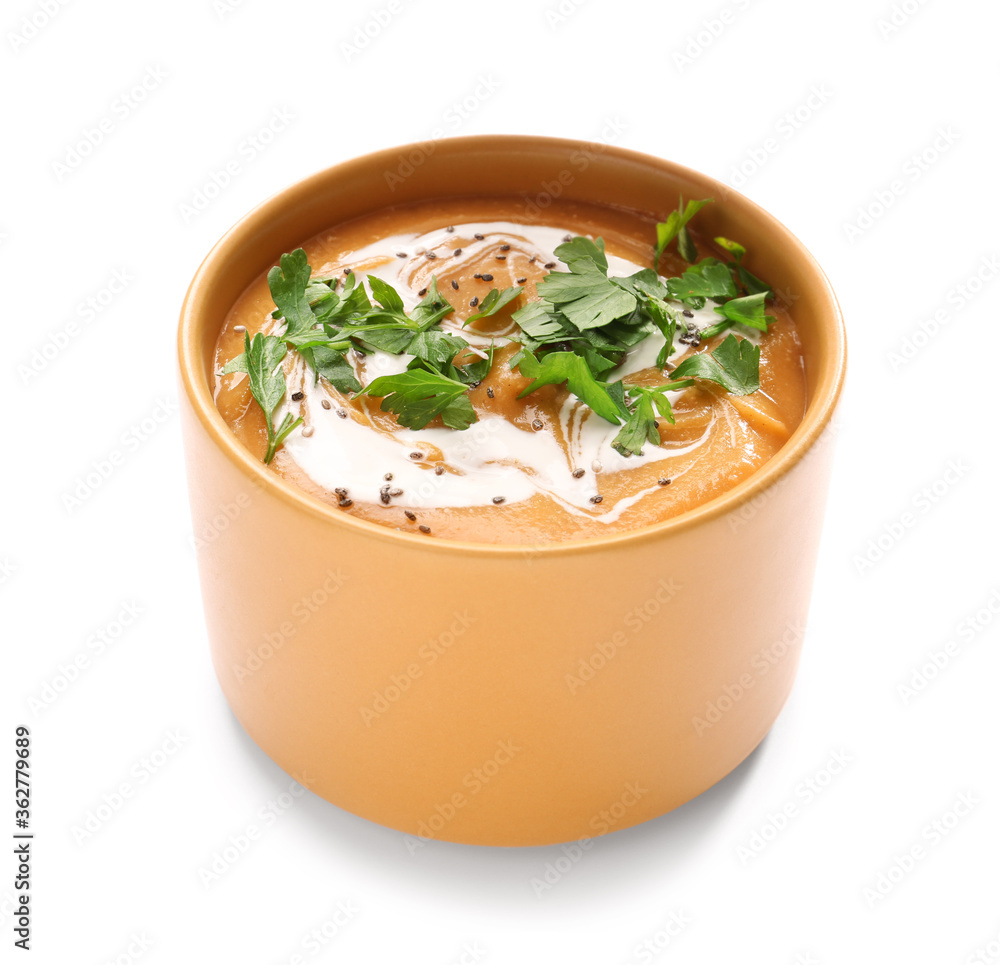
(532, 469)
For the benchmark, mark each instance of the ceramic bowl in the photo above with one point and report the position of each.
(502, 694)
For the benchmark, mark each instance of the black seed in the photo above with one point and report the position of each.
(664, 481)
(478, 236)
(521, 281)
(298, 396)
(409, 515)
(550, 264)
(487, 278)
(431, 255)
(489, 393)
(458, 251)
(422, 292)
(450, 228)
(388, 477)
(416, 455)
(536, 424)
(424, 529)
(400, 254)
(596, 499)
(346, 503)
(501, 257)
(439, 470)
(497, 500)
(454, 284)
(686, 313)
(578, 473)
(325, 403)
(342, 413)
(474, 302)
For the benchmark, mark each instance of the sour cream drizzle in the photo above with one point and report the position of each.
(491, 458)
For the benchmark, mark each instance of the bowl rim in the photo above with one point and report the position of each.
(818, 415)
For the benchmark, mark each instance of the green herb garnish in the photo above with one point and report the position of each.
(581, 328)
(261, 360)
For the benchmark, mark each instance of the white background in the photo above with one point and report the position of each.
(917, 466)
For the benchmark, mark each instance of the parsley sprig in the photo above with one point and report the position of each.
(261, 360)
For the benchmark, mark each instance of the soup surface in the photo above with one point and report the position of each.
(536, 468)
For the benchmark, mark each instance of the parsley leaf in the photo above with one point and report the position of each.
(676, 227)
(432, 309)
(641, 425)
(589, 299)
(708, 279)
(417, 396)
(332, 366)
(288, 282)
(581, 254)
(493, 302)
(436, 347)
(559, 367)
(735, 365)
(261, 360)
(748, 310)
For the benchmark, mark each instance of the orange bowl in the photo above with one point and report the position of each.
(492, 694)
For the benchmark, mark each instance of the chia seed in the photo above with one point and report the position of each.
(497, 500)
(457, 252)
(298, 396)
(550, 264)
(422, 292)
(416, 455)
(478, 236)
(521, 281)
(308, 431)
(596, 499)
(409, 515)
(325, 403)
(432, 255)
(342, 413)
(424, 529)
(474, 302)
(450, 228)
(536, 424)
(239, 328)
(487, 278)
(579, 473)
(454, 284)
(439, 470)
(686, 313)
(489, 393)
(664, 481)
